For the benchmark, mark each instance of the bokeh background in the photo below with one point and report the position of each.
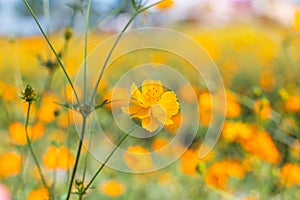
(254, 43)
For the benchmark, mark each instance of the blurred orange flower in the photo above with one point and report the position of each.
(267, 81)
(187, 93)
(159, 143)
(152, 105)
(113, 188)
(39, 194)
(263, 108)
(7, 92)
(65, 119)
(205, 108)
(173, 128)
(262, 146)
(237, 131)
(18, 134)
(165, 4)
(138, 158)
(190, 160)
(49, 108)
(290, 174)
(293, 103)
(233, 108)
(10, 164)
(69, 94)
(217, 174)
(58, 158)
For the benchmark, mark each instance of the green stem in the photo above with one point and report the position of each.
(108, 57)
(46, 11)
(85, 50)
(77, 157)
(114, 46)
(20, 181)
(104, 163)
(32, 152)
(52, 48)
(85, 165)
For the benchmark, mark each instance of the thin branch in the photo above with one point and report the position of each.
(52, 48)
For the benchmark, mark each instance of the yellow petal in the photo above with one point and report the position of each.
(153, 125)
(137, 95)
(169, 102)
(136, 111)
(168, 122)
(146, 121)
(158, 112)
(141, 114)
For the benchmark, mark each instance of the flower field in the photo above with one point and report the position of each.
(142, 135)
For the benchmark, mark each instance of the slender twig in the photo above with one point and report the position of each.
(77, 156)
(110, 15)
(46, 11)
(108, 57)
(32, 152)
(114, 46)
(52, 48)
(20, 180)
(84, 100)
(85, 50)
(86, 163)
(106, 160)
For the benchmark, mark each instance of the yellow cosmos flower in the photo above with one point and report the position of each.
(152, 105)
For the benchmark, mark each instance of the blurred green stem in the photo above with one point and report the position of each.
(114, 46)
(85, 165)
(84, 101)
(32, 152)
(77, 156)
(85, 50)
(53, 50)
(104, 163)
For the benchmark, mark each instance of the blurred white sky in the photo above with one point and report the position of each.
(280, 10)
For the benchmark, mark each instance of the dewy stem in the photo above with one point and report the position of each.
(52, 48)
(77, 156)
(32, 152)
